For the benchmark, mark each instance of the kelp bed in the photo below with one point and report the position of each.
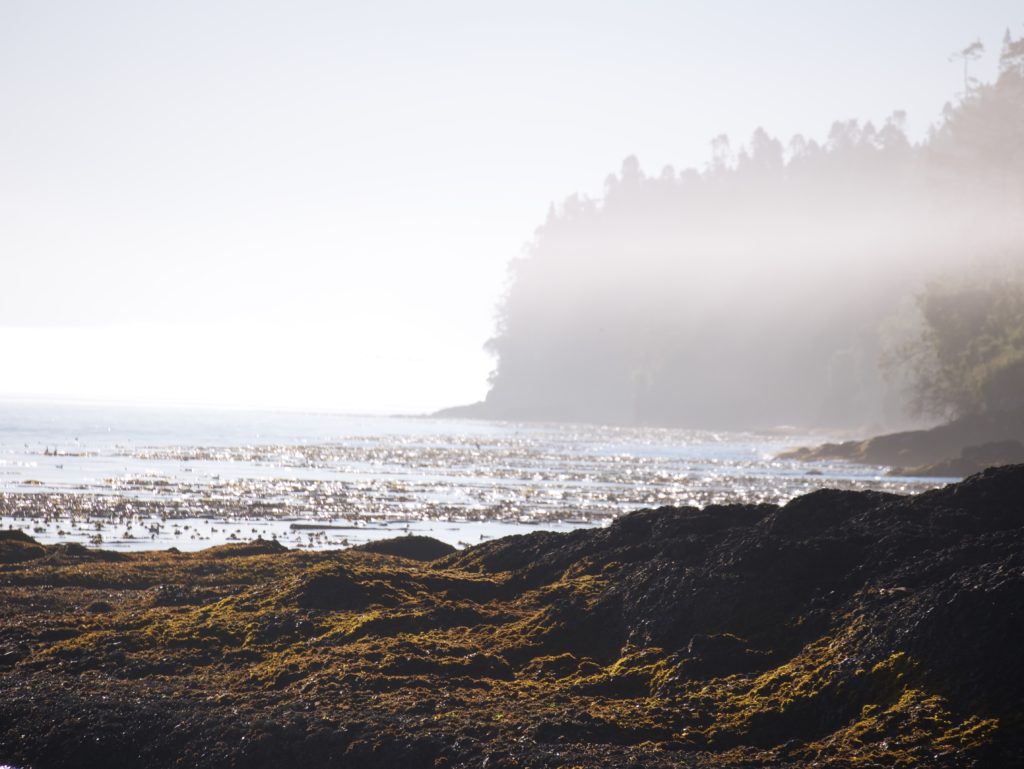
(842, 629)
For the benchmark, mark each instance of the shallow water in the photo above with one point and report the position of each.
(133, 478)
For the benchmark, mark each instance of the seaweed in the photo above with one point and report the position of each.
(842, 629)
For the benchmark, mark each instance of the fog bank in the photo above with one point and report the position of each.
(762, 289)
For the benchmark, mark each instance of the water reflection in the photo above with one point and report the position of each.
(457, 485)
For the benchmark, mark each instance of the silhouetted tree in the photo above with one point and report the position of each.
(971, 53)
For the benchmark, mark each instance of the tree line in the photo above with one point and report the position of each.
(807, 282)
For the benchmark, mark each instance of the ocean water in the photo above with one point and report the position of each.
(139, 478)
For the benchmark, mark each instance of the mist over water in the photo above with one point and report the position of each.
(239, 204)
(690, 312)
(765, 288)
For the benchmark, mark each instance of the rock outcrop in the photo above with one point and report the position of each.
(841, 629)
(960, 448)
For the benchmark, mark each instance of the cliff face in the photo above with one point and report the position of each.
(853, 629)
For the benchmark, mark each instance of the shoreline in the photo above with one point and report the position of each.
(830, 629)
(133, 483)
(957, 449)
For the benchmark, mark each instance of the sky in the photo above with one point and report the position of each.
(312, 205)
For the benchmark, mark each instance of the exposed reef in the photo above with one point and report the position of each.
(842, 629)
(958, 449)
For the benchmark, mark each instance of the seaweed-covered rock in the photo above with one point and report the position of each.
(841, 629)
(415, 547)
(328, 588)
(17, 546)
(964, 446)
(16, 535)
(257, 546)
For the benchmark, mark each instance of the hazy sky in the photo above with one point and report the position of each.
(312, 204)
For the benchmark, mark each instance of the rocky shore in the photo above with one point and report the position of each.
(842, 629)
(958, 449)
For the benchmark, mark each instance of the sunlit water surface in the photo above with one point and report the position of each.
(134, 478)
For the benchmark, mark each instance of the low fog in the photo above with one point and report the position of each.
(766, 288)
(243, 205)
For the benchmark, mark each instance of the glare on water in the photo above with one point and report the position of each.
(137, 479)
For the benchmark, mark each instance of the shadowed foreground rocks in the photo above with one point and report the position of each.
(842, 629)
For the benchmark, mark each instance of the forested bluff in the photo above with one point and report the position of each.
(866, 281)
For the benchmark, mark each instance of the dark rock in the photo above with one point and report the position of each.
(16, 535)
(819, 510)
(258, 546)
(996, 453)
(973, 459)
(968, 444)
(16, 550)
(841, 629)
(10, 659)
(331, 588)
(414, 547)
(74, 552)
(720, 655)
